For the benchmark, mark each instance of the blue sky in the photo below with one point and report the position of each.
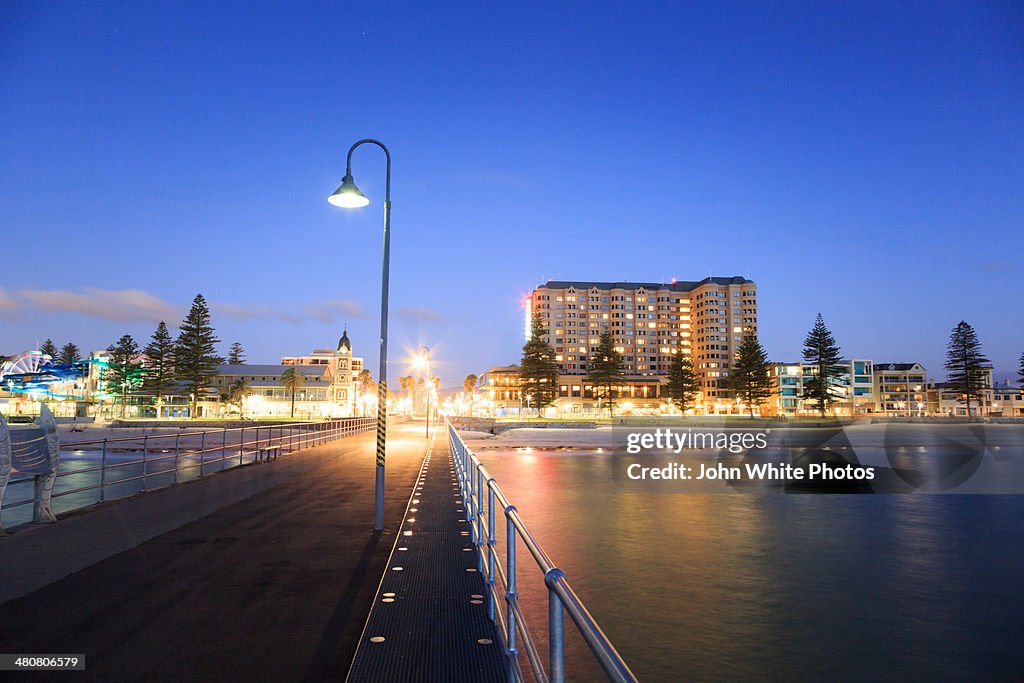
(865, 160)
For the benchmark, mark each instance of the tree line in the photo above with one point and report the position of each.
(749, 378)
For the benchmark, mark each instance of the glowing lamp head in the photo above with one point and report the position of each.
(348, 196)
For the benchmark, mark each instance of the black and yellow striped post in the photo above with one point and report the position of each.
(348, 196)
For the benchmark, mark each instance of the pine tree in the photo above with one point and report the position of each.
(124, 372)
(538, 372)
(1020, 372)
(69, 353)
(236, 354)
(964, 361)
(49, 349)
(604, 370)
(159, 362)
(682, 386)
(749, 379)
(820, 350)
(195, 352)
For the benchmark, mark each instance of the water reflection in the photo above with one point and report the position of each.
(769, 587)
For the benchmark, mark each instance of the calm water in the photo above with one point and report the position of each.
(772, 587)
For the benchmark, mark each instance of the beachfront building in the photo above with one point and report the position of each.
(649, 322)
(900, 389)
(1007, 401)
(330, 386)
(853, 388)
(945, 400)
(499, 392)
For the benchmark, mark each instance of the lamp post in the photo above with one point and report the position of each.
(348, 196)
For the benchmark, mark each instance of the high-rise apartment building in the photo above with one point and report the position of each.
(650, 321)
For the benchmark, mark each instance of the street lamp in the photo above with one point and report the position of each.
(348, 196)
(425, 361)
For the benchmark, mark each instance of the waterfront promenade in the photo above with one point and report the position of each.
(266, 572)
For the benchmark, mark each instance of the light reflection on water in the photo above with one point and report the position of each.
(769, 587)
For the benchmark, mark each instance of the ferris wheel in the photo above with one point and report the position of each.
(25, 363)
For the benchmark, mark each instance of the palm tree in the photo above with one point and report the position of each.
(366, 385)
(238, 392)
(293, 380)
(469, 384)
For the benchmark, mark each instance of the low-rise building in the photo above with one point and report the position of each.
(330, 386)
(901, 388)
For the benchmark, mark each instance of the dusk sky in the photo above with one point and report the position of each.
(864, 160)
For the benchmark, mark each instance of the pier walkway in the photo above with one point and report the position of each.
(429, 619)
(265, 572)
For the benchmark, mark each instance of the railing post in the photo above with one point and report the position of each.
(145, 460)
(510, 590)
(490, 548)
(223, 447)
(481, 534)
(103, 470)
(202, 453)
(177, 452)
(556, 627)
(471, 509)
(241, 445)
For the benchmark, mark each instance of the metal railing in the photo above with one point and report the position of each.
(484, 499)
(171, 458)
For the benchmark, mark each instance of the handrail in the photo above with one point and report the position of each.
(482, 496)
(289, 436)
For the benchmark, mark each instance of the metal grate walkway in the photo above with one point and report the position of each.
(429, 617)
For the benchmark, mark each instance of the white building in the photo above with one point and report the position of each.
(330, 386)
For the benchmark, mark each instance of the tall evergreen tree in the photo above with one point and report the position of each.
(195, 352)
(964, 362)
(292, 380)
(604, 370)
(69, 353)
(820, 350)
(682, 385)
(124, 372)
(1020, 372)
(236, 354)
(159, 362)
(538, 372)
(749, 379)
(48, 348)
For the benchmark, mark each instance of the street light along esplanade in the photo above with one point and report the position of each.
(348, 196)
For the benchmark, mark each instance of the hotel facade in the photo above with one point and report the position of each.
(649, 322)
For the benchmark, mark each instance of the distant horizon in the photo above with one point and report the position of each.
(936, 373)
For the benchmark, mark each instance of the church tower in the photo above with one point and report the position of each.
(342, 385)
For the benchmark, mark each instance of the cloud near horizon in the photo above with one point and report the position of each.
(120, 305)
(6, 300)
(136, 305)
